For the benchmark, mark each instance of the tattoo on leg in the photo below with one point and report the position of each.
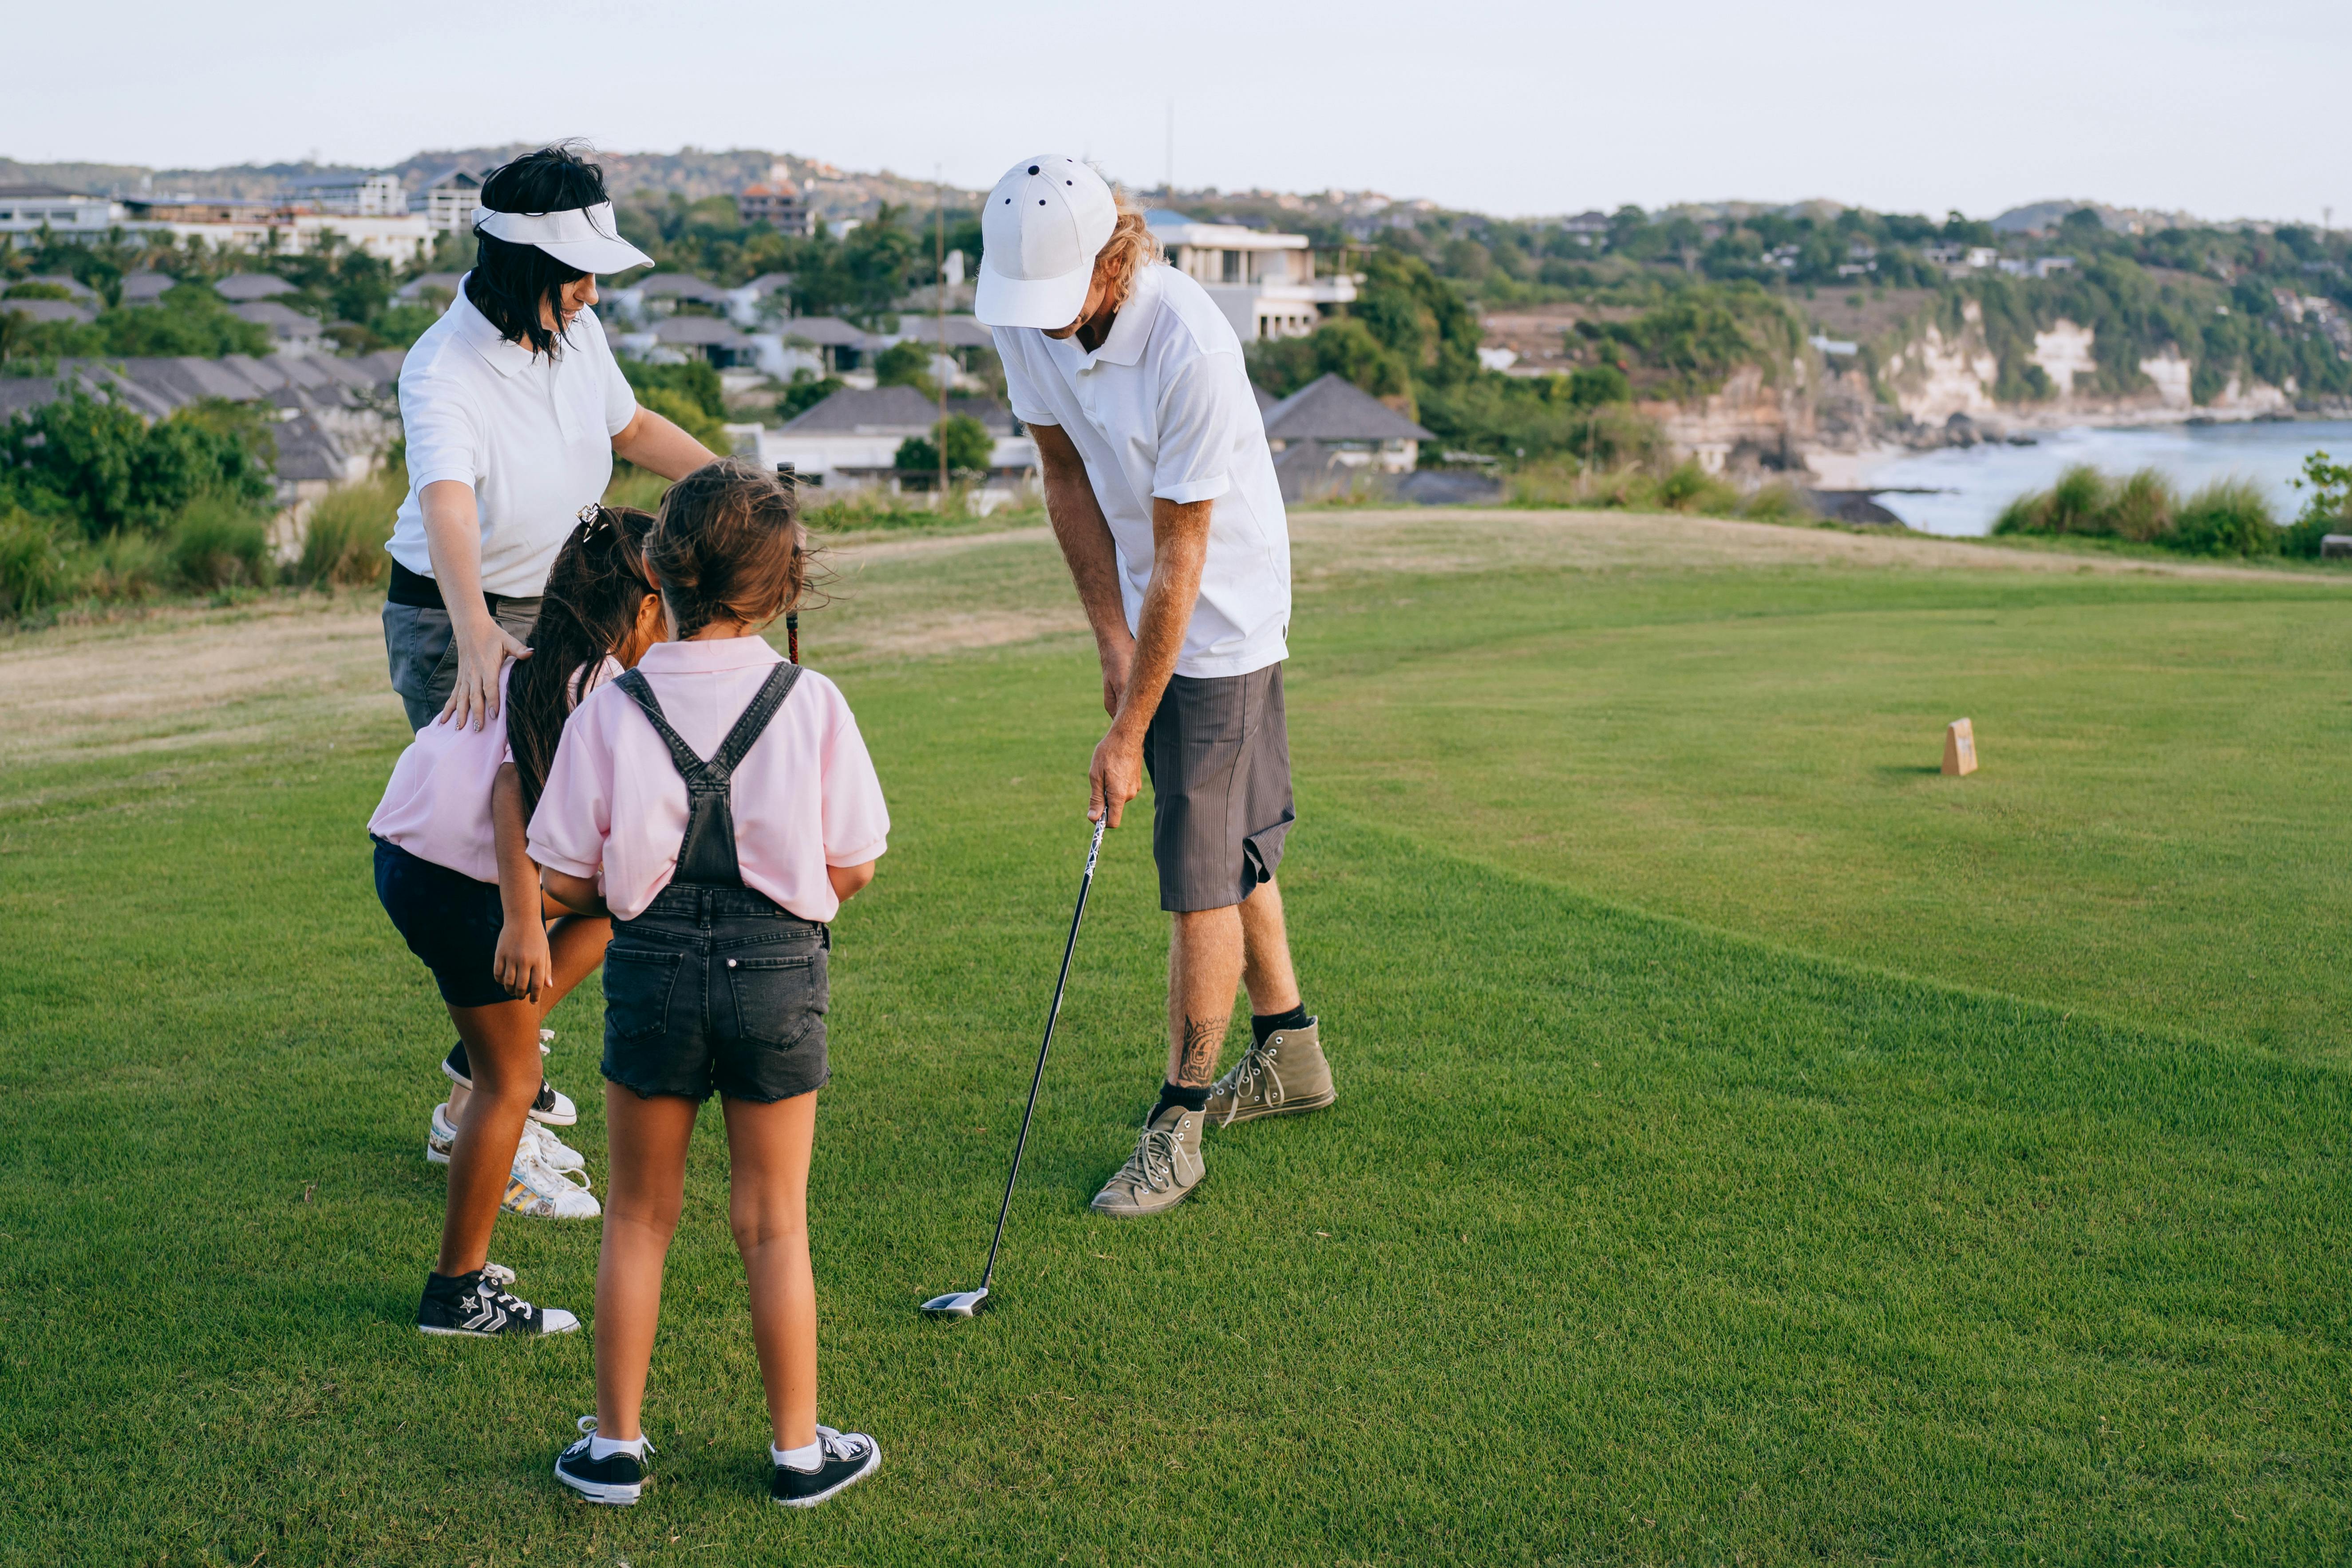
(1196, 1060)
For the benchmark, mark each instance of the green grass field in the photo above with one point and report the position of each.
(1753, 1146)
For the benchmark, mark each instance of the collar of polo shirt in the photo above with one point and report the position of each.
(1130, 332)
(506, 358)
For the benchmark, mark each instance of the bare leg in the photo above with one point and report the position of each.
(1204, 970)
(502, 1044)
(1266, 952)
(647, 1189)
(767, 1206)
(576, 944)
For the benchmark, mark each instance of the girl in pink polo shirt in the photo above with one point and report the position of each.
(720, 803)
(452, 872)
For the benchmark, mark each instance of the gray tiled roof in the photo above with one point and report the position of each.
(79, 289)
(682, 286)
(961, 331)
(145, 288)
(828, 332)
(1332, 408)
(284, 320)
(49, 309)
(893, 410)
(698, 330)
(249, 285)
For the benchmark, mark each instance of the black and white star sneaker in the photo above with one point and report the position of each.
(479, 1305)
(553, 1107)
(845, 1458)
(616, 1480)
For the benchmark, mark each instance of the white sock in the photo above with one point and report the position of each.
(603, 1448)
(808, 1458)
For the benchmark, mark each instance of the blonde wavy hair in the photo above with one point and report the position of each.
(1132, 246)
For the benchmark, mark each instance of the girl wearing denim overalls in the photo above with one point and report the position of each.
(720, 803)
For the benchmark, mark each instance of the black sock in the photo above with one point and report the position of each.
(1263, 1024)
(1177, 1094)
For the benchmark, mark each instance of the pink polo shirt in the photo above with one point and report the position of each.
(805, 797)
(438, 806)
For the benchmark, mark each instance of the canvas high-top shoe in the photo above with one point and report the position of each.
(1285, 1076)
(1161, 1173)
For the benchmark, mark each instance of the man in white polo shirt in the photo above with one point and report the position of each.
(1162, 494)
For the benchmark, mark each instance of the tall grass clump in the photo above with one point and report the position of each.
(33, 570)
(2228, 517)
(1685, 487)
(216, 544)
(342, 546)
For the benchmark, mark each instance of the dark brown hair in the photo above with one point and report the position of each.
(589, 610)
(512, 280)
(730, 543)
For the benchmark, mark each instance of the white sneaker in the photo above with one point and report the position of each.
(440, 1138)
(553, 1151)
(534, 1188)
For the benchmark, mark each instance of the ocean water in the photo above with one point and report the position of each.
(1971, 486)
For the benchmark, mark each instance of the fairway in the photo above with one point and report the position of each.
(1752, 1147)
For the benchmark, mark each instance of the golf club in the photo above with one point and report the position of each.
(964, 1303)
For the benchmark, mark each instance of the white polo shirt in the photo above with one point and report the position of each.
(1164, 408)
(532, 435)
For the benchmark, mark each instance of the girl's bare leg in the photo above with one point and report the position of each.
(576, 944)
(767, 1206)
(643, 1191)
(502, 1044)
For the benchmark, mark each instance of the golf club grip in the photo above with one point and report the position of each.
(1012, 1177)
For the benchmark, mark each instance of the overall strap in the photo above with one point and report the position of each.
(681, 755)
(754, 721)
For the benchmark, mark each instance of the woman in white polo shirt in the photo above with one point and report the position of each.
(513, 408)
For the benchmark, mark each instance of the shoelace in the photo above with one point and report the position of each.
(841, 1445)
(1153, 1163)
(587, 1425)
(1256, 1065)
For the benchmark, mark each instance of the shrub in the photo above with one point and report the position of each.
(216, 544)
(1689, 487)
(32, 568)
(2228, 517)
(343, 545)
(907, 364)
(2328, 508)
(686, 414)
(1778, 501)
(2144, 508)
(126, 567)
(970, 448)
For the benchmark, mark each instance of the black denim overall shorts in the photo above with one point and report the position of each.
(715, 986)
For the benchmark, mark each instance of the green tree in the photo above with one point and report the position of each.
(970, 448)
(92, 459)
(905, 364)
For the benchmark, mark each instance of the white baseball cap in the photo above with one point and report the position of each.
(586, 238)
(1045, 222)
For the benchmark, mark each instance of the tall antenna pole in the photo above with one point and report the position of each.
(939, 259)
(1168, 183)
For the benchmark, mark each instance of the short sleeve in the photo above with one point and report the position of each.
(1199, 404)
(856, 822)
(1021, 389)
(620, 397)
(574, 815)
(444, 436)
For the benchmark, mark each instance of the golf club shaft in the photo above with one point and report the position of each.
(1084, 882)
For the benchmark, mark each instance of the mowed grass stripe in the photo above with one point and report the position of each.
(1639, 1242)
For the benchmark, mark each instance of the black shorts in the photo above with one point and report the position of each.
(450, 920)
(1219, 755)
(716, 989)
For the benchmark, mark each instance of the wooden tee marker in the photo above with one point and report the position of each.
(1960, 748)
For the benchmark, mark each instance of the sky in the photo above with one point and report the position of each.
(1504, 108)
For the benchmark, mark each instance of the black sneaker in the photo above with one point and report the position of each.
(615, 1480)
(553, 1107)
(479, 1305)
(844, 1459)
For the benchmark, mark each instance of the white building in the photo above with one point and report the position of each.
(1266, 283)
(25, 210)
(349, 194)
(272, 228)
(851, 439)
(447, 200)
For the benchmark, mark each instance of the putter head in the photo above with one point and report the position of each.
(956, 1304)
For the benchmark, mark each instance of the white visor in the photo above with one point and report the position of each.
(585, 237)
